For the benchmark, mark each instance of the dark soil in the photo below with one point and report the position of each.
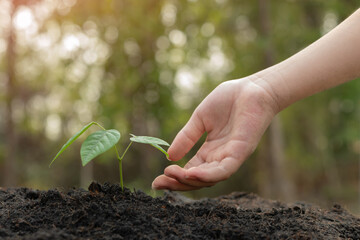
(105, 212)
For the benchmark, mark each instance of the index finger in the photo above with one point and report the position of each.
(186, 138)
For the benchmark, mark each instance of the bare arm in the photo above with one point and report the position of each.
(236, 114)
(328, 62)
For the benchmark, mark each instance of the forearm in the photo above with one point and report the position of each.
(328, 62)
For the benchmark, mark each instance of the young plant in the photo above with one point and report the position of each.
(101, 141)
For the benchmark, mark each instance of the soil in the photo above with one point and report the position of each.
(107, 212)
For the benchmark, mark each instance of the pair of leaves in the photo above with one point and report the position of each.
(101, 141)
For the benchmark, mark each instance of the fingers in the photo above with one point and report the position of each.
(206, 175)
(165, 182)
(186, 138)
(215, 171)
(182, 176)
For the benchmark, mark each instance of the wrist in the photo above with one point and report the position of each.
(265, 80)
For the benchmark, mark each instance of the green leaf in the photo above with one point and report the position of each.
(153, 141)
(71, 140)
(98, 143)
(148, 140)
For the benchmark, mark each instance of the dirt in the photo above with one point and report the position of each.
(107, 212)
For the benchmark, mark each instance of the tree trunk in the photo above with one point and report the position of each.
(9, 174)
(275, 183)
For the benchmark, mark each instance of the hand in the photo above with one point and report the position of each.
(235, 116)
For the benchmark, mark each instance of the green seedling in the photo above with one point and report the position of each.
(101, 141)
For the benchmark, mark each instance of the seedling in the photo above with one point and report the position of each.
(101, 141)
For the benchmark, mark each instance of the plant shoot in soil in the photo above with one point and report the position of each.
(101, 141)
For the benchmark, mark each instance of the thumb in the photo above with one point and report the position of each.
(186, 138)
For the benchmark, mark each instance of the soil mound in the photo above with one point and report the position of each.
(107, 212)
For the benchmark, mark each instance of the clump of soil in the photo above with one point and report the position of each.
(107, 212)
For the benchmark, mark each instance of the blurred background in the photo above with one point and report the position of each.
(143, 66)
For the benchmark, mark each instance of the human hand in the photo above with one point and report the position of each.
(235, 116)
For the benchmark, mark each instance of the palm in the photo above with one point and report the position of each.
(234, 123)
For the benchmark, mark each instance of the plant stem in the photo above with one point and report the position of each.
(120, 163)
(99, 125)
(120, 168)
(126, 150)
(121, 177)
(118, 157)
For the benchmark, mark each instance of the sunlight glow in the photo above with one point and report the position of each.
(71, 43)
(177, 37)
(188, 79)
(23, 18)
(185, 79)
(168, 14)
(53, 126)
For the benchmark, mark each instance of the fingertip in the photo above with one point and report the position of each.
(163, 182)
(159, 182)
(175, 152)
(174, 171)
(155, 186)
(168, 157)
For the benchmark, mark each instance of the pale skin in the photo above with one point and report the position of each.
(237, 112)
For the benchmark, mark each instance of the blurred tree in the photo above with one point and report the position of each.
(10, 166)
(276, 184)
(11, 146)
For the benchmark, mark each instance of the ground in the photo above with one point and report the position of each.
(107, 212)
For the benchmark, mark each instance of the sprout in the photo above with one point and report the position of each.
(101, 141)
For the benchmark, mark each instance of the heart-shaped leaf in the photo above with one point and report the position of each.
(71, 140)
(153, 141)
(98, 143)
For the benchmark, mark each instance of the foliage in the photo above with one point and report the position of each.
(101, 141)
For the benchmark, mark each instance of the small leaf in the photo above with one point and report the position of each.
(98, 143)
(71, 140)
(148, 140)
(153, 141)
